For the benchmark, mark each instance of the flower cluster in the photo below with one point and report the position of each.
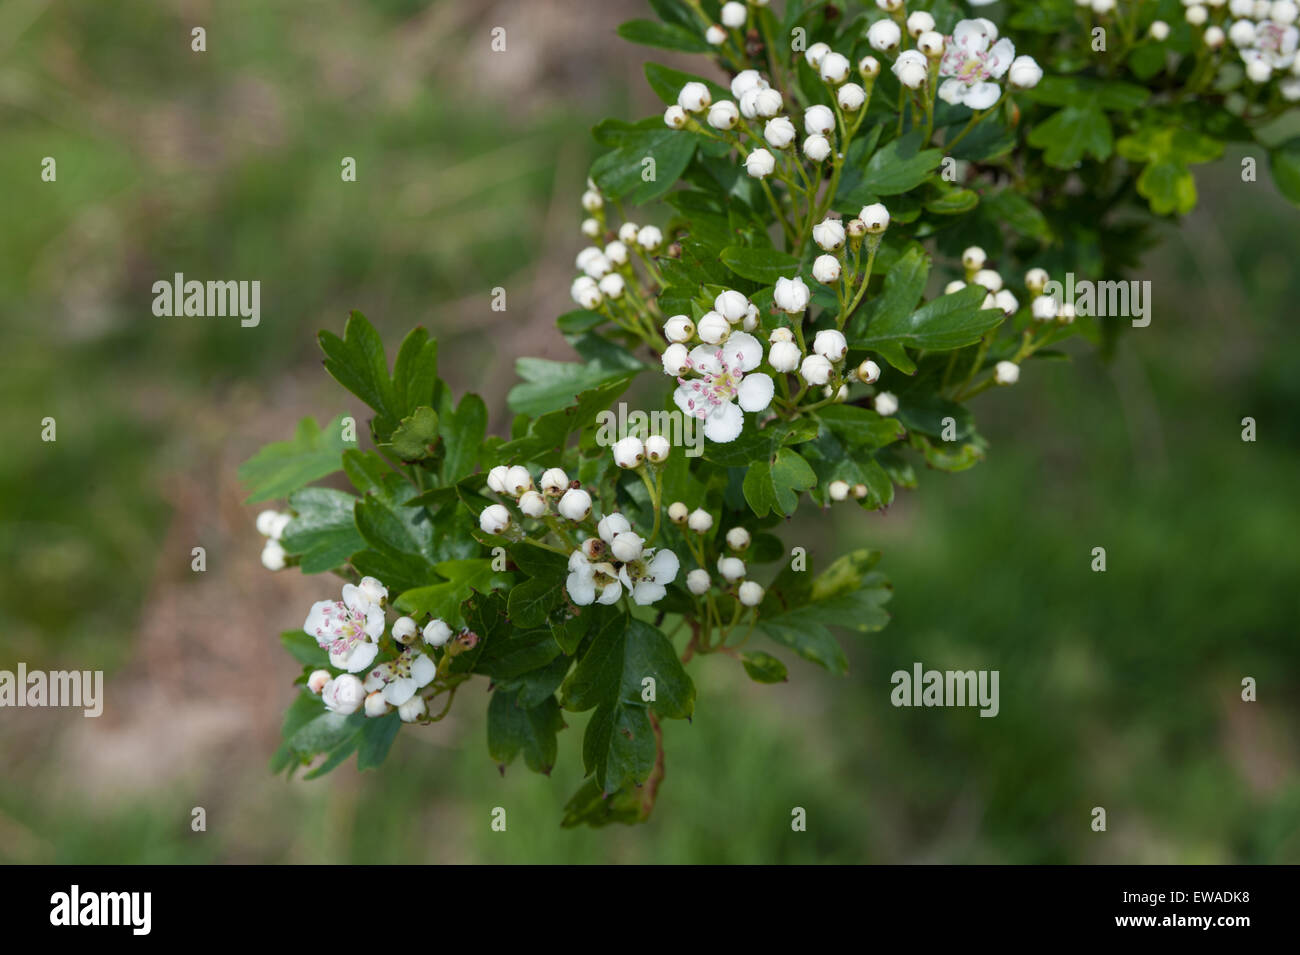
(974, 59)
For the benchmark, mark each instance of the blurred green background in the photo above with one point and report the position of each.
(1119, 689)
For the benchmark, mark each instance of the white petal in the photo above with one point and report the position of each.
(362, 655)
(315, 625)
(724, 424)
(970, 35)
(704, 359)
(683, 397)
(743, 349)
(611, 593)
(423, 669)
(663, 567)
(374, 622)
(982, 95)
(354, 598)
(647, 592)
(581, 588)
(755, 392)
(951, 91)
(400, 690)
(1000, 57)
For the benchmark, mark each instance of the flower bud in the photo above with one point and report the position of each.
(919, 22)
(436, 633)
(767, 103)
(886, 404)
(875, 217)
(554, 481)
(629, 452)
(518, 480)
(612, 285)
(988, 278)
(838, 490)
(1196, 15)
(734, 14)
(815, 370)
(649, 237)
(815, 54)
(657, 448)
(738, 538)
(731, 568)
(831, 345)
(592, 201)
(869, 67)
(724, 114)
(911, 69)
(494, 519)
(829, 235)
(1259, 70)
(589, 298)
(1242, 33)
(890, 6)
(590, 228)
(675, 358)
(343, 695)
(412, 709)
(819, 120)
(715, 35)
(697, 581)
(1007, 302)
(745, 81)
(868, 372)
(860, 491)
(675, 117)
(376, 705)
(834, 68)
(1006, 373)
(1159, 30)
(731, 305)
(931, 44)
(779, 132)
(884, 36)
(750, 594)
(700, 521)
(678, 512)
(817, 147)
(791, 295)
(679, 328)
(713, 328)
(532, 504)
(1044, 308)
(266, 521)
(956, 285)
(273, 555)
(760, 163)
(784, 356)
(497, 477)
(626, 234)
(826, 269)
(616, 252)
(1214, 37)
(973, 259)
(694, 97)
(627, 546)
(404, 630)
(575, 505)
(1036, 281)
(851, 97)
(316, 682)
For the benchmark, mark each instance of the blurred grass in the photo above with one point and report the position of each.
(1118, 689)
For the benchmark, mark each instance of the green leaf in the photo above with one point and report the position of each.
(323, 532)
(666, 36)
(623, 653)
(764, 668)
(624, 173)
(619, 746)
(592, 806)
(862, 429)
(775, 485)
(304, 649)
(667, 83)
(415, 372)
(415, 435)
(904, 286)
(357, 362)
(898, 167)
(377, 737)
(943, 323)
(462, 437)
(280, 468)
(532, 600)
(1284, 162)
(553, 385)
(760, 265)
(1018, 213)
(513, 729)
(1071, 133)
(461, 578)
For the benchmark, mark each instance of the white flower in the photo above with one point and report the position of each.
(649, 237)
(731, 568)
(1006, 373)
(838, 490)
(694, 97)
(679, 328)
(648, 577)
(401, 678)
(734, 14)
(826, 269)
(731, 305)
(781, 334)
(784, 356)
(761, 103)
(791, 295)
(831, 345)
(815, 370)
(1275, 46)
(819, 119)
(575, 505)
(678, 512)
(611, 524)
(350, 629)
(343, 695)
(267, 522)
(589, 298)
(868, 372)
(598, 266)
(629, 452)
(532, 504)
(554, 481)
(518, 480)
(616, 252)
(674, 117)
(371, 589)
(697, 581)
(1036, 280)
(497, 477)
(1258, 70)
(834, 68)
(738, 538)
(911, 69)
(592, 201)
(627, 545)
(590, 228)
(494, 519)
(931, 43)
(675, 358)
(590, 583)
(316, 682)
(779, 132)
(884, 35)
(1242, 33)
(412, 709)
(750, 593)
(657, 448)
(626, 233)
(376, 705)
(724, 114)
(700, 521)
(724, 379)
(404, 629)
(745, 81)
(1159, 31)
(851, 96)
(1284, 12)
(612, 285)
(988, 279)
(973, 258)
(1238, 8)
(713, 328)
(815, 54)
(956, 285)
(760, 163)
(1214, 37)
(817, 147)
(886, 404)
(1044, 309)
(751, 318)
(973, 65)
(436, 633)
(273, 555)
(1025, 72)
(919, 22)
(829, 234)
(1007, 302)
(875, 217)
